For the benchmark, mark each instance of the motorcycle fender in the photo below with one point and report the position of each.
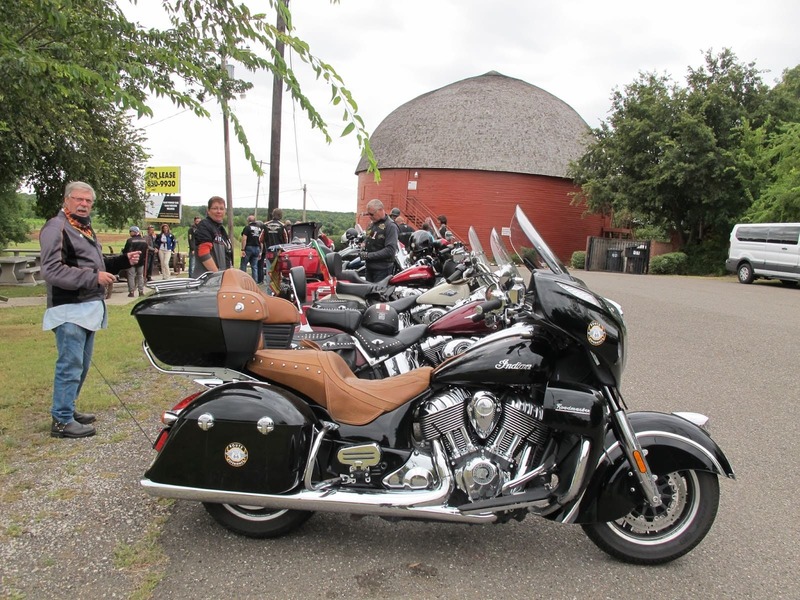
(671, 443)
(243, 437)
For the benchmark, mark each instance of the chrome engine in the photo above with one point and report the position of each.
(425, 314)
(487, 439)
(438, 348)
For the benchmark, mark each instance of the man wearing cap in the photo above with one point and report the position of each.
(135, 243)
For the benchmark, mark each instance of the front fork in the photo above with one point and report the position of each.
(630, 445)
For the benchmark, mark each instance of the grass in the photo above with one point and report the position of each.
(120, 372)
(23, 291)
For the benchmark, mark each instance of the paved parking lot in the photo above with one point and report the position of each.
(705, 345)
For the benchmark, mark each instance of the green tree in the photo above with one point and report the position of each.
(779, 201)
(672, 156)
(73, 70)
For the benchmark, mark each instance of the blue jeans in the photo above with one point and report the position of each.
(75, 345)
(251, 254)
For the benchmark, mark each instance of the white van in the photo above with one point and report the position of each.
(768, 250)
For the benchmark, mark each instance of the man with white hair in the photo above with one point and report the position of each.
(77, 274)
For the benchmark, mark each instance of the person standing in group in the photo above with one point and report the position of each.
(166, 245)
(442, 226)
(404, 230)
(150, 238)
(380, 246)
(135, 243)
(251, 246)
(76, 273)
(214, 250)
(192, 246)
(274, 235)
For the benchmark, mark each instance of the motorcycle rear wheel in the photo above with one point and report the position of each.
(256, 521)
(648, 536)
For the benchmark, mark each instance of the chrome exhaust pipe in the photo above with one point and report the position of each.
(428, 504)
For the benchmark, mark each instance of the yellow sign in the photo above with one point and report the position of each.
(162, 180)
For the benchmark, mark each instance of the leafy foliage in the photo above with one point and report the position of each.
(578, 259)
(673, 156)
(73, 72)
(673, 263)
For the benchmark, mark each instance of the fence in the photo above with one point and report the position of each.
(622, 256)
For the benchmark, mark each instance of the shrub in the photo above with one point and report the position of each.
(673, 263)
(578, 260)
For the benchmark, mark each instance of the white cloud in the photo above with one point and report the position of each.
(391, 51)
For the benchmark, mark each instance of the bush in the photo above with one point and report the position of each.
(578, 260)
(673, 263)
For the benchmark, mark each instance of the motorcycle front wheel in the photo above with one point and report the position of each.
(651, 536)
(256, 521)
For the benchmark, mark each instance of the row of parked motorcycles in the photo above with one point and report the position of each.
(462, 389)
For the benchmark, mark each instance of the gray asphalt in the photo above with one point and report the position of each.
(705, 345)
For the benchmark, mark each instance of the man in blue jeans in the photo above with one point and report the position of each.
(251, 246)
(77, 274)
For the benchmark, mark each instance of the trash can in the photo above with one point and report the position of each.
(614, 260)
(637, 258)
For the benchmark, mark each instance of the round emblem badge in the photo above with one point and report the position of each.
(235, 454)
(596, 333)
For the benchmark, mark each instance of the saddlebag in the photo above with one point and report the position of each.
(241, 437)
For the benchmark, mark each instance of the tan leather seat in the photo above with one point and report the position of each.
(326, 379)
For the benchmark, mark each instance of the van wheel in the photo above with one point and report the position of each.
(745, 273)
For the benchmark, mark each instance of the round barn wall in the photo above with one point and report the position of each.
(475, 149)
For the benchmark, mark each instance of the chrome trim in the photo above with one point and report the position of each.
(578, 473)
(214, 373)
(659, 432)
(205, 421)
(429, 504)
(699, 419)
(265, 425)
(526, 477)
(308, 474)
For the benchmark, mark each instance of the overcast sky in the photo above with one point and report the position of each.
(391, 51)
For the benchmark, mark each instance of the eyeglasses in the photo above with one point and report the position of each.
(368, 214)
(86, 200)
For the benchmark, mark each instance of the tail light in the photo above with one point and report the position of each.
(168, 417)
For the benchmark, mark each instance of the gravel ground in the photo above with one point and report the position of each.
(75, 521)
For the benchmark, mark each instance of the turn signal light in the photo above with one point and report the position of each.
(637, 456)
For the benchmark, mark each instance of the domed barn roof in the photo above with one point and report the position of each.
(486, 123)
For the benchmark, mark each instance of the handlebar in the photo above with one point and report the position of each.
(485, 307)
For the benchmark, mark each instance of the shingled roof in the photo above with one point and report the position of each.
(487, 123)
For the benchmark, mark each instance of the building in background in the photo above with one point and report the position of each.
(475, 149)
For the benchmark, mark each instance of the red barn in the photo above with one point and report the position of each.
(475, 149)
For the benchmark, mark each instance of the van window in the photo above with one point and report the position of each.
(786, 234)
(752, 234)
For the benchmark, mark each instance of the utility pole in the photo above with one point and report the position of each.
(304, 203)
(277, 106)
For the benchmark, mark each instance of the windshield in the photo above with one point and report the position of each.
(501, 255)
(531, 247)
(477, 250)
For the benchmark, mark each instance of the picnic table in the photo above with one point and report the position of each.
(18, 269)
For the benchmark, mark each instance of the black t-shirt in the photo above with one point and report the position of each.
(253, 234)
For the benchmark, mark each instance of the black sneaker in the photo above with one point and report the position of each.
(73, 429)
(84, 418)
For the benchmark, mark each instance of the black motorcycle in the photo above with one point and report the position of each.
(529, 420)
